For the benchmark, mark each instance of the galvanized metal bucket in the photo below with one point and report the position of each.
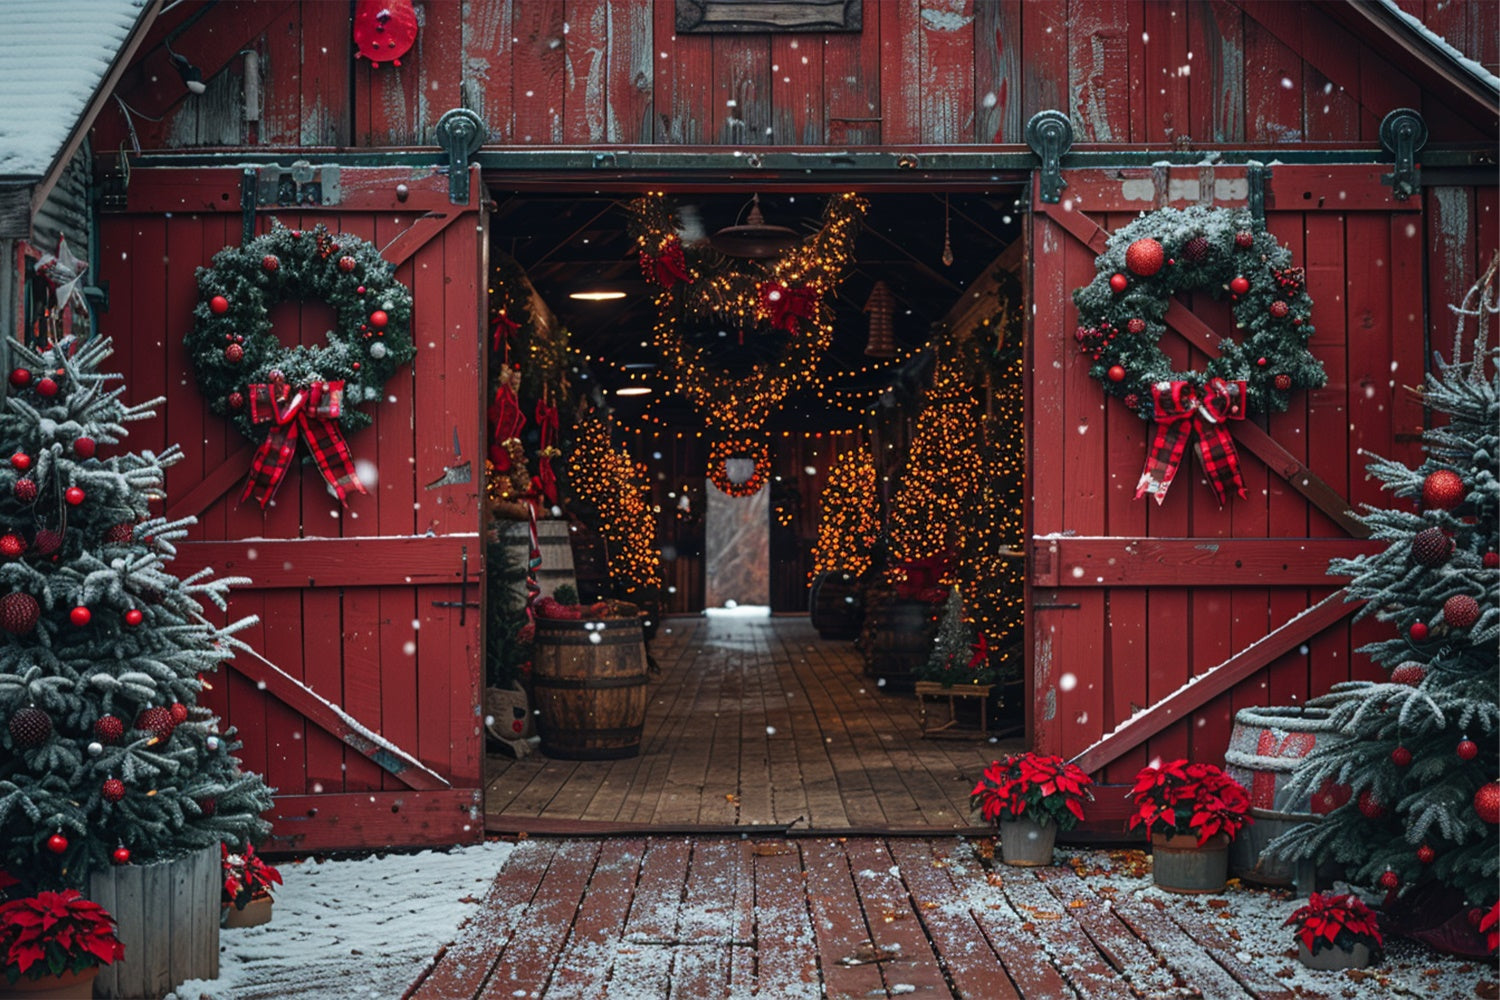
(1179, 865)
(1026, 843)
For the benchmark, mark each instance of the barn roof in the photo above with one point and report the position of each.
(55, 63)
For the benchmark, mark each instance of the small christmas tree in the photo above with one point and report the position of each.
(959, 651)
(1417, 752)
(108, 758)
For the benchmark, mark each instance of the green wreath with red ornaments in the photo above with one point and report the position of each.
(1121, 317)
(277, 395)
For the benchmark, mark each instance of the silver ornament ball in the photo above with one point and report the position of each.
(377, 350)
(95, 749)
(212, 743)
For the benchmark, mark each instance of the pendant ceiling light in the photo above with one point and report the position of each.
(754, 239)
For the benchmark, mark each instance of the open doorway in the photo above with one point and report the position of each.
(919, 380)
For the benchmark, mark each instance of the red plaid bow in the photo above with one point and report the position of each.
(312, 412)
(666, 268)
(1179, 415)
(785, 306)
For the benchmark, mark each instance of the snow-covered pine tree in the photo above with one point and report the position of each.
(107, 757)
(1418, 751)
(955, 649)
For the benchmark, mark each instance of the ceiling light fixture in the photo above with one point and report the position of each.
(755, 239)
(596, 296)
(634, 390)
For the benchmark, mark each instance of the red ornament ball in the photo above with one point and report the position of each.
(346, 264)
(1197, 249)
(179, 713)
(1401, 757)
(1491, 560)
(1487, 802)
(20, 461)
(1244, 240)
(234, 354)
(57, 843)
(85, 447)
(1460, 611)
(1430, 547)
(157, 721)
(1467, 749)
(1118, 283)
(1418, 631)
(45, 542)
(1116, 373)
(121, 534)
(120, 855)
(360, 290)
(1425, 854)
(1132, 400)
(81, 616)
(19, 613)
(109, 728)
(20, 378)
(379, 319)
(134, 617)
(12, 546)
(1389, 879)
(25, 490)
(1282, 382)
(113, 790)
(1136, 326)
(1239, 285)
(30, 727)
(1409, 673)
(208, 806)
(218, 305)
(1145, 257)
(74, 495)
(1369, 806)
(47, 387)
(1279, 309)
(270, 262)
(236, 401)
(1443, 489)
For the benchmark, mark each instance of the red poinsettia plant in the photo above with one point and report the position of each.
(1044, 787)
(246, 876)
(1179, 797)
(56, 932)
(1335, 921)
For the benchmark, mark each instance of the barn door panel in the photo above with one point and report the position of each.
(360, 701)
(1151, 625)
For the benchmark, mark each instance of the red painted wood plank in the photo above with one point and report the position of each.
(600, 921)
(1044, 38)
(470, 959)
(838, 923)
(1098, 49)
(533, 948)
(1016, 943)
(1063, 940)
(640, 963)
(395, 490)
(683, 94)
(488, 38)
(1140, 561)
(539, 71)
(586, 98)
(946, 96)
(632, 72)
(785, 959)
(351, 821)
(974, 968)
(798, 109)
(1216, 33)
(398, 670)
(329, 562)
(327, 47)
(323, 672)
(900, 72)
(1273, 91)
(1181, 950)
(359, 646)
(742, 90)
(1215, 681)
(851, 75)
(1408, 358)
(997, 72)
(1330, 78)
(709, 906)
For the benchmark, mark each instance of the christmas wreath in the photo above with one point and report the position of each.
(720, 452)
(275, 394)
(1121, 316)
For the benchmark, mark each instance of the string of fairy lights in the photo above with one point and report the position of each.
(848, 516)
(619, 488)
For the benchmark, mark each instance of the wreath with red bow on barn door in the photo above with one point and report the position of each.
(1121, 317)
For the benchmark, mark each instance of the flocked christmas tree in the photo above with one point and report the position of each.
(107, 757)
(960, 653)
(1418, 751)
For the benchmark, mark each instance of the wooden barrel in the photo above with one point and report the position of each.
(897, 640)
(835, 606)
(589, 683)
(1265, 747)
(556, 549)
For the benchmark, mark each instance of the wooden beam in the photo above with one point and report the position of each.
(301, 562)
(228, 474)
(349, 821)
(1215, 681)
(417, 235)
(1116, 561)
(978, 300)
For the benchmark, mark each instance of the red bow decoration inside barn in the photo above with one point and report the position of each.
(1179, 415)
(981, 651)
(311, 413)
(502, 331)
(506, 420)
(784, 305)
(667, 267)
(545, 482)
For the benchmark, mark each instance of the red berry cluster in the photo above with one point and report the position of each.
(1291, 280)
(1093, 340)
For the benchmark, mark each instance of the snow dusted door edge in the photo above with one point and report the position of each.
(362, 703)
(1149, 626)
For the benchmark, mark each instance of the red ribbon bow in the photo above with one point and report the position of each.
(503, 330)
(545, 482)
(667, 267)
(312, 413)
(505, 420)
(1180, 414)
(785, 306)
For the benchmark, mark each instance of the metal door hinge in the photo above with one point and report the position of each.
(1403, 133)
(1050, 134)
(460, 133)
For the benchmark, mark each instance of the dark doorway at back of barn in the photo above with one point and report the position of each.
(903, 440)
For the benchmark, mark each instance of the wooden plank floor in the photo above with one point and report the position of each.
(775, 917)
(753, 723)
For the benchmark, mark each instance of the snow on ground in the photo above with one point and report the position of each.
(359, 928)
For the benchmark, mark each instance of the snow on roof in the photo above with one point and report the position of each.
(1475, 69)
(53, 56)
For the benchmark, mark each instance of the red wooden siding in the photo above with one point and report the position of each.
(347, 599)
(584, 72)
(1142, 598)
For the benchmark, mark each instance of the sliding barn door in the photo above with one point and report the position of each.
(360, 704)
(1131, 601)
